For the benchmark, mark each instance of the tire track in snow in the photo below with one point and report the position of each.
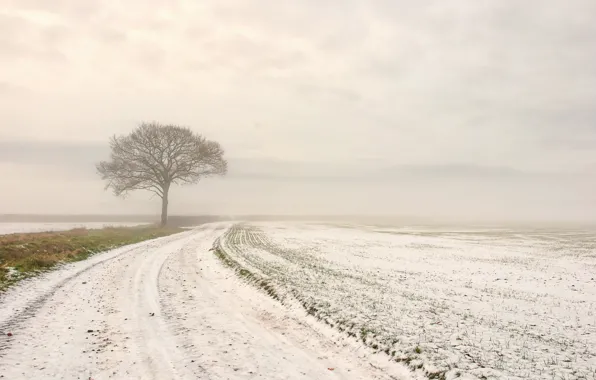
(14, 322)
(156, 340)
(69, 327)
(182, 269)
(233, 331)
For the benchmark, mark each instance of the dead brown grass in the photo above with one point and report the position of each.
(30, 253)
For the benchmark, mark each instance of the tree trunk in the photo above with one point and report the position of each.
(164, 208)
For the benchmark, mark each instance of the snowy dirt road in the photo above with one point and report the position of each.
(167, 309)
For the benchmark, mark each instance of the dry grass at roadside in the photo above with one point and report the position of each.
(25, 254)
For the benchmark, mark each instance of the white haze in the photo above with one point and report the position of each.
(460, 110)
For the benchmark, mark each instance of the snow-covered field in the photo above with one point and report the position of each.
(487, 303)
(13, 228)
(356, 303)
(93, 320)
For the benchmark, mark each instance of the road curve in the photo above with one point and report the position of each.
(165, 309)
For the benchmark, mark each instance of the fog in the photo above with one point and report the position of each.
(460, 111)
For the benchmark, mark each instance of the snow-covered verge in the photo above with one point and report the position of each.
(14, 228)
(168, 309)
(489, 304)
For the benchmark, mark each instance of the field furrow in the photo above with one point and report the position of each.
(488, 304)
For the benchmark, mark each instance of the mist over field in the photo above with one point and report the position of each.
(64, 182)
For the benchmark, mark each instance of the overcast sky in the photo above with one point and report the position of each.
(457, 109)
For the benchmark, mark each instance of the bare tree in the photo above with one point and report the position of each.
(155, 156)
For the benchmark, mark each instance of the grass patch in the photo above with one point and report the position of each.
(24, 255)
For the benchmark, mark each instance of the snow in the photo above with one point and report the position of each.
(478, 303)
(94, 319)
(13, 228)
(353, 302)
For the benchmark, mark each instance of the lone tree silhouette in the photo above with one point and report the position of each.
(155, 156)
